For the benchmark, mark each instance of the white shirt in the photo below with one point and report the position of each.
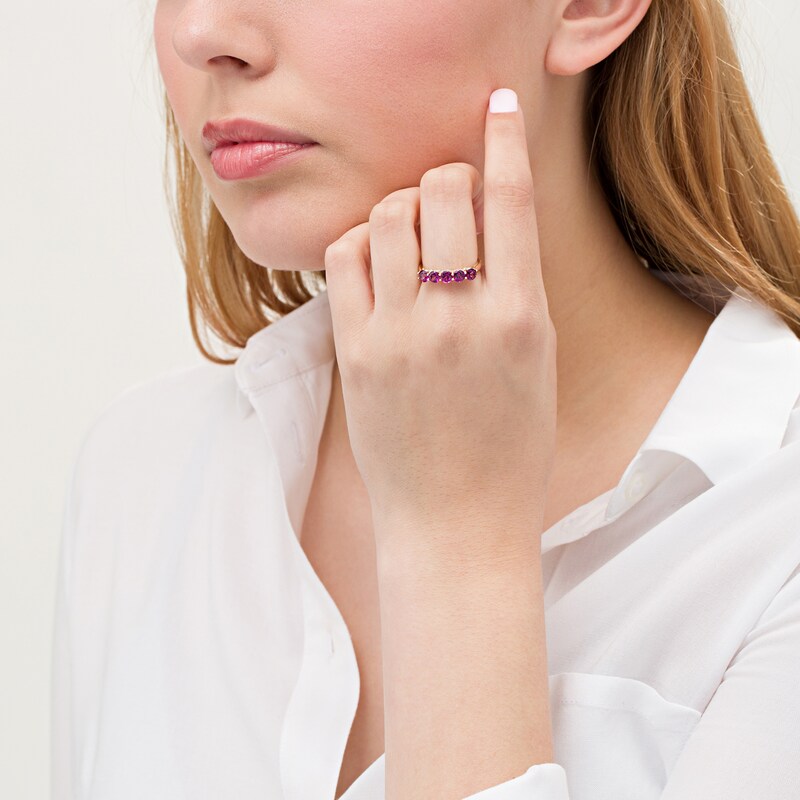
(197, 654)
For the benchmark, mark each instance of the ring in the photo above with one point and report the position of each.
(445, 276)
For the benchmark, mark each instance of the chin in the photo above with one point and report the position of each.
(288, 241)
(282, 250)
(289, 233)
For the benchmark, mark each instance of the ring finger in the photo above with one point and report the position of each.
(449, 196)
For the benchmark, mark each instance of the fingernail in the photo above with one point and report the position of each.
(502, 100)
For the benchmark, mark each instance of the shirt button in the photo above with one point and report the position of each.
(635, 488)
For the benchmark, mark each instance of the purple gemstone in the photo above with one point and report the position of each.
(447, 276)
(423, 275)
(471, 273)
(433, 277)
(459, 275)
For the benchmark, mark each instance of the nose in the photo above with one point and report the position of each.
(222, 38)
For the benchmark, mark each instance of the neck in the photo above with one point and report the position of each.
(624, 338)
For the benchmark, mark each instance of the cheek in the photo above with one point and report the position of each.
(183, 83)
(172, 69)
(410, 72)
(163, 23)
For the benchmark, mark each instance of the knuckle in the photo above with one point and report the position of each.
(365, 368)
(408, 194)
(445, 347)
(399, 364)
(355, 369)
(392, 213)
(524, 326)
(338, 252)
(446, 182)
(512, 191)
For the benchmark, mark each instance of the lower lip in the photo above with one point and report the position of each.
(250, 159)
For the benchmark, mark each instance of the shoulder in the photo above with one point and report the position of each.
(150, 422)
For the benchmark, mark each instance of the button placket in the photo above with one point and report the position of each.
(324, 701)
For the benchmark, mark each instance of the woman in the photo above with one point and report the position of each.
(406, 544)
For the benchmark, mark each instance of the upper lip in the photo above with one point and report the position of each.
(230, 131)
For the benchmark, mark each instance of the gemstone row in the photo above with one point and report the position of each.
(446, 276)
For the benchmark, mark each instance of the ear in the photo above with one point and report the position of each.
(589, 30)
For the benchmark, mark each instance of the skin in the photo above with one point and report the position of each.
(363, 79)
(393, 91)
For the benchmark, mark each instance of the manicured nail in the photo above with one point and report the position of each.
(502, 100)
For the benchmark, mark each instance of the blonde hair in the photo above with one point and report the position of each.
(675, 143)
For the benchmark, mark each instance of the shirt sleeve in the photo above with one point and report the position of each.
(62, 772)
(747, 742)
(540, 782)
(745, 745)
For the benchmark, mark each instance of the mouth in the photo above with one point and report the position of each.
(243, 160)
(226, 133)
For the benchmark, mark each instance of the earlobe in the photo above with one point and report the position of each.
(589, 30)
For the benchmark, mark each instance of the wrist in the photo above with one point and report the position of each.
(413, 548)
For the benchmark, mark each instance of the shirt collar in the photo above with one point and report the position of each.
(730, 409)
(293, 344)
(733, 403)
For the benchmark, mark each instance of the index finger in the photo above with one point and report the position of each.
(510, 234)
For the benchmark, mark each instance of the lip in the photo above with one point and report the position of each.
(250, 159)
(218, 133)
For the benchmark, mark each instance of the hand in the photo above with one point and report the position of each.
(449, 389)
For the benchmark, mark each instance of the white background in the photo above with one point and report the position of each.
(93, 294)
